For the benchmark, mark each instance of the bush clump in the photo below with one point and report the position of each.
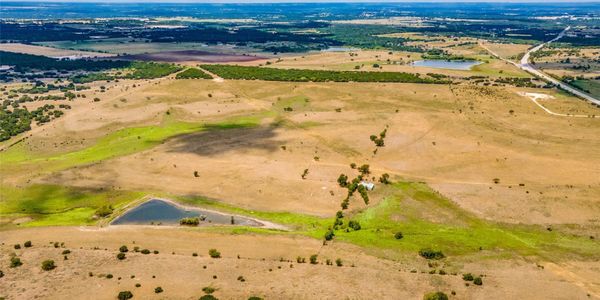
(121, 256)
(435, 296)
(104, 211)
(125, 295)
(208, 297)
(123, 249)
(468, 277)
(145, 251)
(27, 244)
(214, 253)
(398, 235)
(314, 259)
(190, 221)
(338, 262)
(431, 254)
(15, 262)
(354, 225)
(158, 290)
(48, 265)
(477, 281)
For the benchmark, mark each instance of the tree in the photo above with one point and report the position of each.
(48, 265)
(125, 295)
(364, 169)
(342, 180)
(435, 296)
(329, 235)
(214, 253)
(354, 225)
(385, 178)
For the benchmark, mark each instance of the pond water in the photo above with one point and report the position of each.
(446, 64)
(155, 212)
(339, 49)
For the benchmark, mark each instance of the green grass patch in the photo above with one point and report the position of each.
(589, 86)
(59, 205)
(119, 143)
(453, 230)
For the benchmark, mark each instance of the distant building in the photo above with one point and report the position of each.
(368, 185)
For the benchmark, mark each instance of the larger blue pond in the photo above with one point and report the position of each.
(446, 64)
(156, 211)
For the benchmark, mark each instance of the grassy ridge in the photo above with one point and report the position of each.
(451, 229)
(303, 75)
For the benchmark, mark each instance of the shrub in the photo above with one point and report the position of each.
(338, 262)
(214, 253)
(145, 251)
(385, 178)
(65, 252)
(431, 254)
(121, 256)
(137, 285)
(435, 296)
(125, 295)
(123, 249)
(48, 265)
(208, 289)
(27, 244)
(208, 297)
(15, 262)
(313, 259)
(241, 278)
(398, 235)
(109, 276)
(255, 298)
(468, 277)
(104, 211)
(17, 246)
(194, 254)
(190, 221)
(477, 281)
(158, 290)
(1, 274)
(354, 225)
(300, 260)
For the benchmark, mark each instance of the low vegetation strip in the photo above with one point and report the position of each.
(303, 75)
(193, 73)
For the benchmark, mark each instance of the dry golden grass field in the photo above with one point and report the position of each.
(482, 173)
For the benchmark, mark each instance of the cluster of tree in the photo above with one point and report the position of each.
(27, 62)
(369, 37)
(379, 141)
(304, 75)
(193, 73)
(18, 120)
(442, 55)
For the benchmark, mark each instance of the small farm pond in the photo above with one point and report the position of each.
(446, 64)
(156, 212)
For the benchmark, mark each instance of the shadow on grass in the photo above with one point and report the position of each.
(219, 139)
